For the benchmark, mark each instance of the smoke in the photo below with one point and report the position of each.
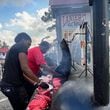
(62, 66)
(73, 96)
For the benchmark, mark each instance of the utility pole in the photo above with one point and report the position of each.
(101, 51)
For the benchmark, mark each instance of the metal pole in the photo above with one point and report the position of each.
(101, 51)
(85, 49)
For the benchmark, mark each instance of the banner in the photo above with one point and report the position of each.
(70, 23)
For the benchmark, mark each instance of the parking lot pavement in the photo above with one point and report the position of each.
(4, 103)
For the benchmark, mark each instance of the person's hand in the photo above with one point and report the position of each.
(36, 84)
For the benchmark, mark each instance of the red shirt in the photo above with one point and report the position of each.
(35, 59)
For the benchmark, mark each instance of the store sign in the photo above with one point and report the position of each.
(72, 20)
(70, 23)
(72, 28)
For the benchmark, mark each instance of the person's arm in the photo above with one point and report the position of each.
(27, 78)
(28, 74)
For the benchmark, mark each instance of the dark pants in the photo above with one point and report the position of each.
(17, 97)
(29, 88)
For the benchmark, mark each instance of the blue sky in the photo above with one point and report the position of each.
(23, 16)
(7, 10)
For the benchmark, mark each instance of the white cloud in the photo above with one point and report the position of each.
(32, 24)
(0, 26)
(41, 11)
(23, 20)
(7, 36)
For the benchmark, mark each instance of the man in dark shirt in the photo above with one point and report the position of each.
(15, 70)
